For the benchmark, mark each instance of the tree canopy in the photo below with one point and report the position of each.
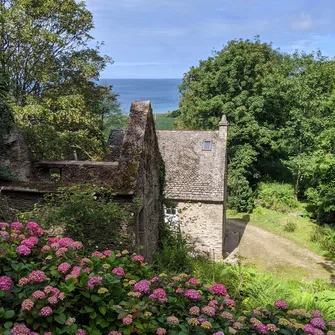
(281, 111)
(46, 48)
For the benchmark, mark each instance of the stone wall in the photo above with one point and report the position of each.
(140, 170)
(202, 224)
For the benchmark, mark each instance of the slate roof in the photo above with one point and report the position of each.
(191, 172)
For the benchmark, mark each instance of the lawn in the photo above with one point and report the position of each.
(276, 223)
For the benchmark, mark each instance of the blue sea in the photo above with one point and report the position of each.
(163, 93)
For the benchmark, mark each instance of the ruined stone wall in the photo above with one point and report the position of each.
(201, 223)
(139, 170)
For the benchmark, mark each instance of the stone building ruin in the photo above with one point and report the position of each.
(195, 183)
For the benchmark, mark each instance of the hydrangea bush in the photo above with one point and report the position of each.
(49, 287)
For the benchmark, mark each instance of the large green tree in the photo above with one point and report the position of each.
(280, 108)
(231, 82)
(46, 48)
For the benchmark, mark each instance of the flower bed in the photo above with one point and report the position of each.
(48, 286)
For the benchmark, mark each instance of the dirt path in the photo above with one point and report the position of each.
(277, 254)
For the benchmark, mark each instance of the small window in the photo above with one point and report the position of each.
(207, 146)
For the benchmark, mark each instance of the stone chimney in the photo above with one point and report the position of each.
(223, 126)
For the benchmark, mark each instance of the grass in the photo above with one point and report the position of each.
(165, 122)
(277, 223)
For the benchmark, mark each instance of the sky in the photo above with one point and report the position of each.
(164, 38)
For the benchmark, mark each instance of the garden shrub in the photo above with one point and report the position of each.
(290, 227)
(325, 236)
(49, 287)
(278, 197)
(85, 212)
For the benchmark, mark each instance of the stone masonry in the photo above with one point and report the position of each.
(195, 164)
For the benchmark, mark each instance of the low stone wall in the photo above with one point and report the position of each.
(202, 224)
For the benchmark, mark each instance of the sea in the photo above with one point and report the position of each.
(163, 93)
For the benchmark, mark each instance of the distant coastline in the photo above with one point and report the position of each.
(163, 93)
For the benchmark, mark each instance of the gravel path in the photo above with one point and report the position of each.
(277, 254)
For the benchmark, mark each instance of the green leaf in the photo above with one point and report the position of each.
(61, 318)
(9, 314)
(102, 310)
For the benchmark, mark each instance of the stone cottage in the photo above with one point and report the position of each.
(195, 184)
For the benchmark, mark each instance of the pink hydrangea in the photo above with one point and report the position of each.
(23, 250)
(218, 289)
(93, 281)
(138, 258)
(6, 283)
(45, 249)
(142, 286)
(34, 229)
(23, 281)
(192, 281)
(107, 253)
(161, 331)
(27, 243)
(33, 240)
(74, 273)
(4, 234)
(127, 320)
(309, 329)
(318, 323)
(114, 332)
(213, 303)
(154, 279)
(38, 295)
(27, 305)
(230, 302)
(37, 276)
(46, 311)
(281, 304)
(118, 271)
(179, 290)
(195, 310)
(97, 253)
(3, 225)
(76, 245)
(65, 242)
(172, 320)
(316, 314)
(261, 329)
(158, 294)
(81, 332)
(61, 252)
(210, 311)
(64, 267)
(53, 300)
(192, 295)
(52, 240)
(20, 330)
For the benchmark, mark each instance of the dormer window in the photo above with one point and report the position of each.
(207, 145)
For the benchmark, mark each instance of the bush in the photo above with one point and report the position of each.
(48, 287)
(278, 197)
(290, 227)
(325, 236)
(85, 212)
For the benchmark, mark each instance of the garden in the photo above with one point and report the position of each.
(50, 285)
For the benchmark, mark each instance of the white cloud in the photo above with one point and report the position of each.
(304, 22)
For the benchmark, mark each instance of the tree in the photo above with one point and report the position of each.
(46, 49)
(231, 82)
